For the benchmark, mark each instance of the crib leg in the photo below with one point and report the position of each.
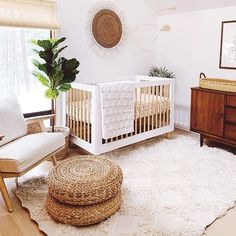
(169, 135)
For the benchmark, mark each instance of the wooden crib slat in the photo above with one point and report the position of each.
(77, 112)
(164, 108)
(74, 112)
(88, 118)
(136, 114)
(67, 108)
(84, 113)
(80, 114)
(149, 96)
(157, 106)
(71, 107)
(160, 107)
(140, 110)
(153, 103)
(168, 109)
(145, 103)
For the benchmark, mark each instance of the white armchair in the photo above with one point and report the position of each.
(23, 144)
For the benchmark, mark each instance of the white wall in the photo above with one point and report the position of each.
(138, 54)
(192, 46)
(134, 58)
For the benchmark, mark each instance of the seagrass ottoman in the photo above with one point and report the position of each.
(84, 190)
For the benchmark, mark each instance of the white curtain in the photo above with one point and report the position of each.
(16, 68)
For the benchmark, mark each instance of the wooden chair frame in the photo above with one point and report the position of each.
(3, 175)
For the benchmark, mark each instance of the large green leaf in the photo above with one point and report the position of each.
(41, 78)
(64, 87)
(44, 81)
(57, 52)
(47, 56)
(34, 41)
(68, 78)
(72, 64)
(57, 42)
(36, 63)
(45, 44)
(58, 75)
(36, 51)
(43, 68)
(51, 93)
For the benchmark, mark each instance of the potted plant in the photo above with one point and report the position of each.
(161, 72)
(54, 72)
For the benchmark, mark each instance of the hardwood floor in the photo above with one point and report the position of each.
(19, 223)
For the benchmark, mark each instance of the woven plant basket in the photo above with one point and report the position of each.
(217, 84)
(64, 152)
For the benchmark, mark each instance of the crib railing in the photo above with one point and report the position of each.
(78, 111)
(154, 113)
(150, 113)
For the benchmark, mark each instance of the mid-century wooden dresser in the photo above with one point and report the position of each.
(213, 115)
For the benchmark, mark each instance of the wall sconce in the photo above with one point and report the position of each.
(165, 28)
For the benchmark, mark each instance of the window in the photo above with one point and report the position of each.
(16, 68)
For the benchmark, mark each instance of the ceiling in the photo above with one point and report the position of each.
(166, 7)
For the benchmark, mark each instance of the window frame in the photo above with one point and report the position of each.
(45, 112)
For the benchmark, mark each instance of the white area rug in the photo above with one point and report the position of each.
(171, 187)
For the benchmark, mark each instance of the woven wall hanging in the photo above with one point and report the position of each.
(106, 30)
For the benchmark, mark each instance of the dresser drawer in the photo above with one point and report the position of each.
(230, 132)
(231, 101)
(230, 115)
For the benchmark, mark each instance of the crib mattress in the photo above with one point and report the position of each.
(145, 106)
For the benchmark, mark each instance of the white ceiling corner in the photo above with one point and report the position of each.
(165, 7)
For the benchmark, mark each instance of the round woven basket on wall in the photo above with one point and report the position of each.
(107, 28)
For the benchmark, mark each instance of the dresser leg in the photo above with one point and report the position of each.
(201, 140)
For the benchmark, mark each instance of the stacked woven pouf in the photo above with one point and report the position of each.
(84, 190)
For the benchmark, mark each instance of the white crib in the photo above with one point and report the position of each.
(154, 114)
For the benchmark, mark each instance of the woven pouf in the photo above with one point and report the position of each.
(84, 190)
(84, 215)
(85, 180)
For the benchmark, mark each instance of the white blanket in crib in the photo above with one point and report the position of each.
(117, 105)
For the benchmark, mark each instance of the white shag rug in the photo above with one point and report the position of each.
(171, 188)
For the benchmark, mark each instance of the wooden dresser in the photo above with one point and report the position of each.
(213, 115)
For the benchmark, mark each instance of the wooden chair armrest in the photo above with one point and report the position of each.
(39, 118)
(36, 124)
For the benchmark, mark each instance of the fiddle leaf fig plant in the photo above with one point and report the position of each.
(54, 72)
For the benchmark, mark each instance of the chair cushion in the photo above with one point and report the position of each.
(12, 124)
(24, 152)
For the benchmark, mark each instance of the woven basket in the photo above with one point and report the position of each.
(82, 215)
(85, 180)
(218, 84)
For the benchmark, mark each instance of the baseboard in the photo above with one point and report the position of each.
(182, 126)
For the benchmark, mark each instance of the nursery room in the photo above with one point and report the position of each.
(118, 117)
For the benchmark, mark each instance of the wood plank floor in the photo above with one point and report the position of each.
(19, 223)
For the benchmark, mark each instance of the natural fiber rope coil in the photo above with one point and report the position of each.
(85, 180)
